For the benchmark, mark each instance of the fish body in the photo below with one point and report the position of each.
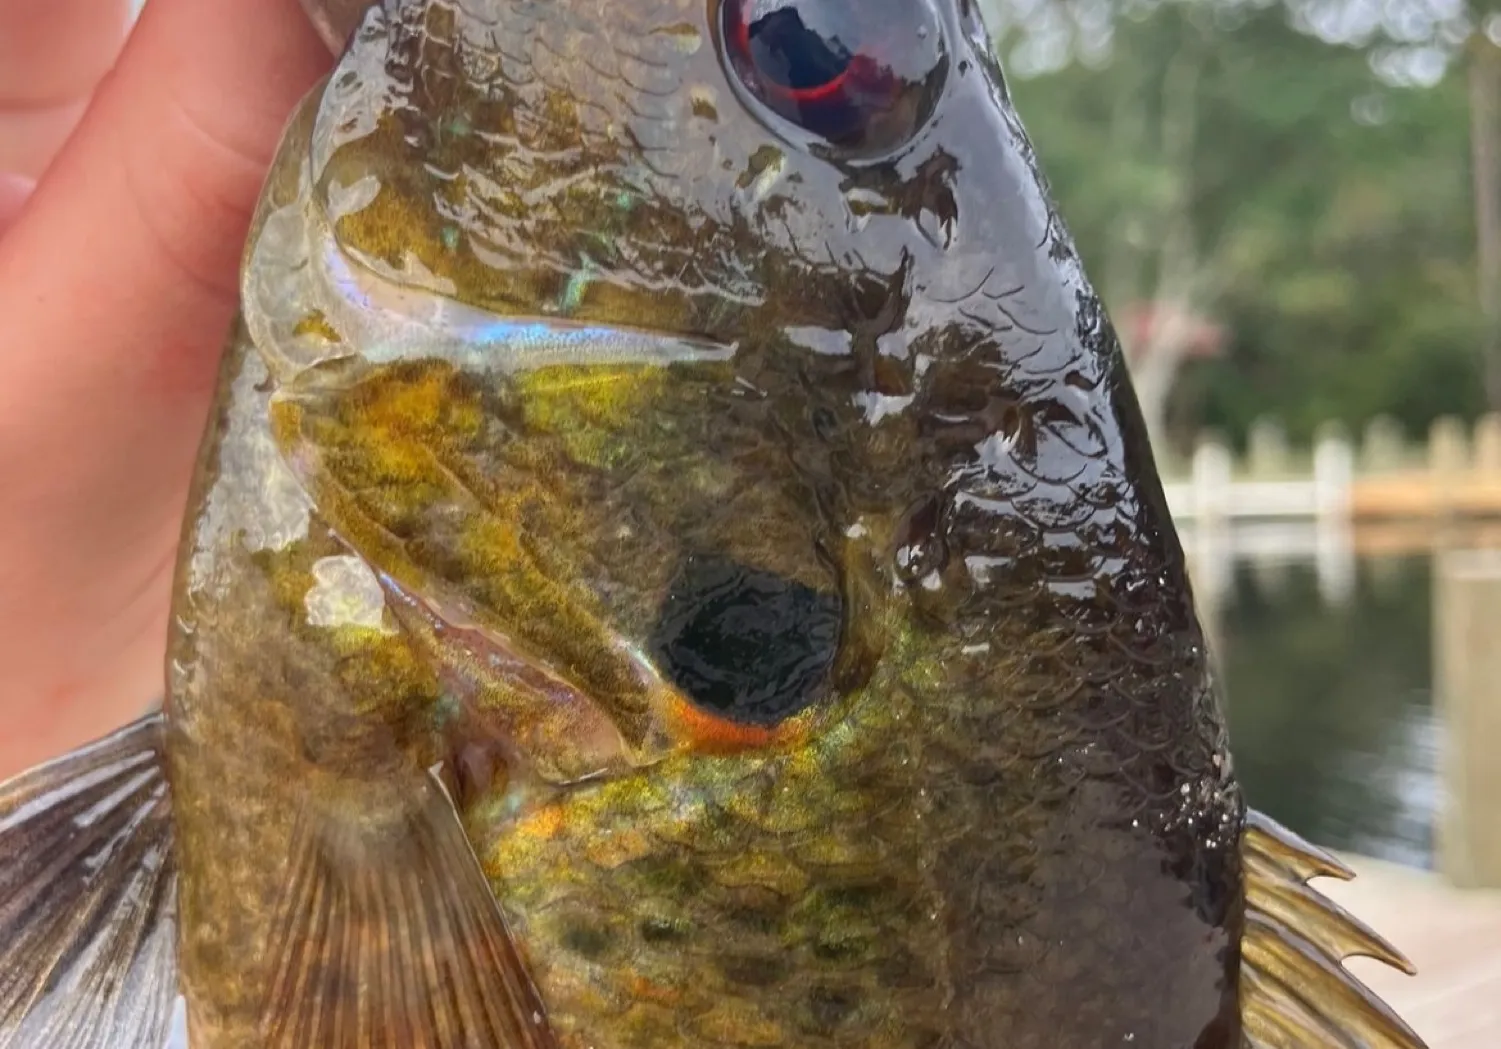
(676, 561)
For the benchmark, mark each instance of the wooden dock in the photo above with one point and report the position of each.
(1457, 475)
(1452, 936)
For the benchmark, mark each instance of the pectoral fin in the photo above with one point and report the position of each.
(88, 892)
(1294, 991)
(389, 937)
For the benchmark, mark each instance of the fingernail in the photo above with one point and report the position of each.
(14, 189)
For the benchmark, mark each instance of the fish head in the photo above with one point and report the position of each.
(723, 408)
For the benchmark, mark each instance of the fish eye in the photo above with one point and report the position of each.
(860, 74)
(744, 644)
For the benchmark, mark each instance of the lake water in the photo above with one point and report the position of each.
(1331, 704)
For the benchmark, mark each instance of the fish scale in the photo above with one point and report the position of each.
(804, 936)
(675, 561)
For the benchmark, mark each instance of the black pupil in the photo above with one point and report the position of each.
(748, 645)
(791, 54)
(861, 74)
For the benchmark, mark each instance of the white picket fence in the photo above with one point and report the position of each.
(1213, 492)
(1277, 504)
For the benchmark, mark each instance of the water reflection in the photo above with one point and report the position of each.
(1330, 705)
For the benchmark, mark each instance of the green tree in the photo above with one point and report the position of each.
(1314, 197)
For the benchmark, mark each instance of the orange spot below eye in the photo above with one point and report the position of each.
(715, 735)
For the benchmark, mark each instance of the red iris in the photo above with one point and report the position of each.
(838, 68)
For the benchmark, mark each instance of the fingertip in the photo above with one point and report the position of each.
(221, 80)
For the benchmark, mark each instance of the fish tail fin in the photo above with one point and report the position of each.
(388, 936)
(88, 887)
(1294, 991)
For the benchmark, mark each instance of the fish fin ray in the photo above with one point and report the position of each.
(88, 898)
(1295, 991)
(389, 937)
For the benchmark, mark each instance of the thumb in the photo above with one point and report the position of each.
(117, 284)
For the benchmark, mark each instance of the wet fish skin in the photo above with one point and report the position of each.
(558, 353)
(1015, 816)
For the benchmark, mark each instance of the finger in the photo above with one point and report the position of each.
(116, 288)
(14, 189)
(52, 54)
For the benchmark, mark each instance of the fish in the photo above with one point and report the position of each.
(675, 560)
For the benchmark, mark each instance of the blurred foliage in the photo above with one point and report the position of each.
(1319, 192)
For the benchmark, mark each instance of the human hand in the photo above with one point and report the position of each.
(118, 279)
